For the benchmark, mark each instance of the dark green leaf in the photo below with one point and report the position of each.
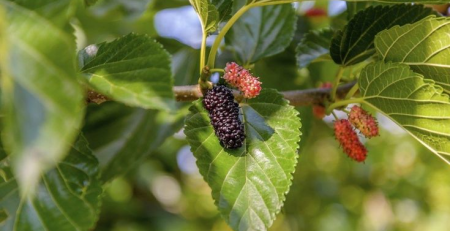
(224, 7)
(67, 198)
(423, 45)
(355, 7)
(121, 136)
(185, 65)
(42, 101)
(414, 103)
(314, 45)
(355, 43)
(249, 184)
(134, 70)
(208, 14)
(262, 32)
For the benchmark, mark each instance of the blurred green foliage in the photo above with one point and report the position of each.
(401, 186)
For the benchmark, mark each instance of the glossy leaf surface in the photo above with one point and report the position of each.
(414, 103)
(249, 184)
(134, 70)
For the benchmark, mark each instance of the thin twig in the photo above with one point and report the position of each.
(296, 98)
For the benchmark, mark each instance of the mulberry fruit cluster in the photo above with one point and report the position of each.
(363, 121)
(242, 79)
(349, 141)
(224, 116)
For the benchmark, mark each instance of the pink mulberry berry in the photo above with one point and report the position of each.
(363, 121)
(349, 141)
(242, 79)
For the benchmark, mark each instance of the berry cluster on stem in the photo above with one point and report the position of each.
(224, 116)
(347, 137)
(242, 79)
(363, 121)
(349, 140)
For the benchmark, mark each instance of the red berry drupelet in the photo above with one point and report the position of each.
(243, 80)
(349, 141)
(224, 116)
(363, 121)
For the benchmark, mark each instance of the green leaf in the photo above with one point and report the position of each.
(249, 184)
(355, 7)
(414, 103)
(224, 7)
(42, 101)
(185, 65)
(423, 45)
(134, 70)
(208, 14)
(121, 136)
(314, 45)
(67, 198)
(355, 43)
(262, 32)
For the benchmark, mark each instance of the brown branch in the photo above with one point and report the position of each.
(296, 98)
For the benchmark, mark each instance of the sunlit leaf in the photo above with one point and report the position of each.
(134, 70)
(208, 14)
(425, 46)
(355, 43)
(314, 45)
(67, 198)
(41, 98)
(414, 103)
(249, 184)
(262, 32)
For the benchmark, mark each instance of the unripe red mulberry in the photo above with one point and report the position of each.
(363, 121)
(224, 116)
(349, 141)
(242, 79)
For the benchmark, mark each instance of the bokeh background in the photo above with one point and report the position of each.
(402, 186)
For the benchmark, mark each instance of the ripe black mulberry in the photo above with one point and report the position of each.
(224, 116)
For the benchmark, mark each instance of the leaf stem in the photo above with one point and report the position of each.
(203, 51)
(334, 115)
(344, 103)
(337, 80)
(352, 91)
(218, 70)
(223, 32)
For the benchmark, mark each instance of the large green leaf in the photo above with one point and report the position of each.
(208, 14)
(355, 43)
(224, 7)
(249, 184)
(121, 136)
(41, 98)
(67, 198)
(314, 45)
(134, 70)
(425, 46)
(414, 103)
(262, 32)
